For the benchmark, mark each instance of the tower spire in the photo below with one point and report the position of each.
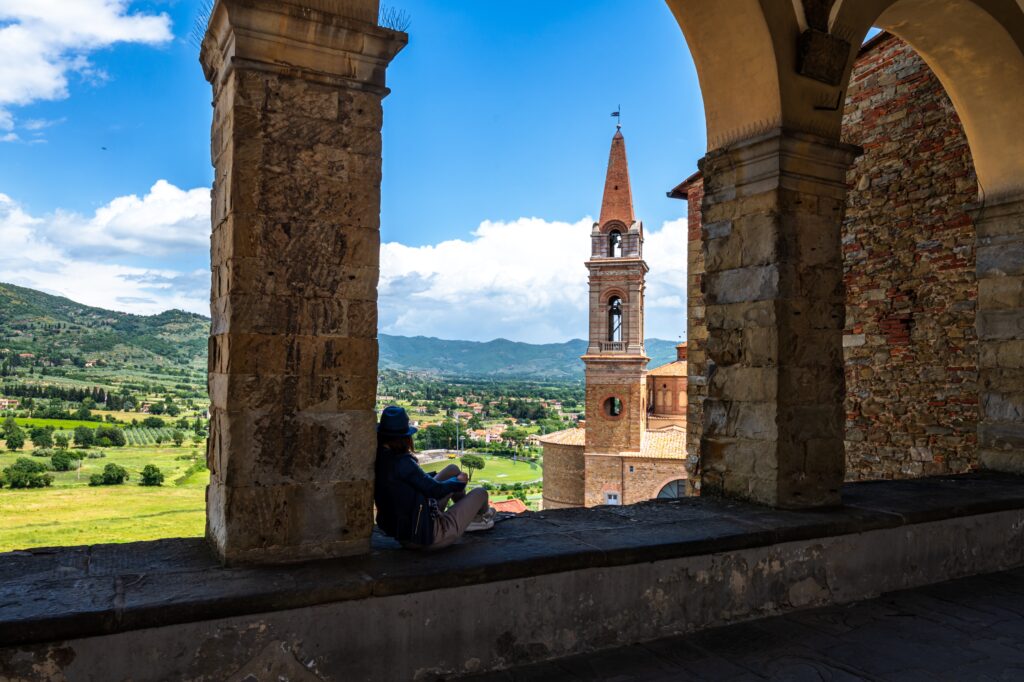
(618, 197)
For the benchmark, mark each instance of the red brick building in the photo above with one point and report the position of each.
(620, 457)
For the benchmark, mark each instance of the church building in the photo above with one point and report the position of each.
(633, 447)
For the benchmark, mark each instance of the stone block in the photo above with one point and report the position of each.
(1001, 324)
(1003, 407)
(264, 447)
(742, 285)
(1002, 354)
(760, 347)
(741, 315)
(757, 384)
(316, 279)
(1005, 258)
(809, 385)
(817, 239)
(292, 393)
(1008, 461)
(1001, 436)
(809, 347)
(1001, 293)
(747, 420)
(289, 523)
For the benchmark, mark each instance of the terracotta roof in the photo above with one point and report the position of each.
(667, 443)
(512, 506)
(680, 190)
(672, 369)
(618, 197)
(873, 42)
(567, 437)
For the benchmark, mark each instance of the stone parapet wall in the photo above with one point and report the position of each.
(910, 345)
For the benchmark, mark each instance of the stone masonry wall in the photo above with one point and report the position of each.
(910, 344)
(696, 332)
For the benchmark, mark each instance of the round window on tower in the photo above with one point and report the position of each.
(612, 407)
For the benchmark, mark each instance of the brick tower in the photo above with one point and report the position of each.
(615, 359)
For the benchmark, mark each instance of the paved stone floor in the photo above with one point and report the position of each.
(970, 629)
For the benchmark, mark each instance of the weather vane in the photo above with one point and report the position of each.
(617, 114)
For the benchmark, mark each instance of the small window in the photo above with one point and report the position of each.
(631, 469)
(611, 498)
(615, 244)
(613, 407)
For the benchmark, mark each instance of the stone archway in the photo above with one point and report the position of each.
(774, 190)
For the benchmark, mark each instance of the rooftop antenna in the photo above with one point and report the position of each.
(617, 114)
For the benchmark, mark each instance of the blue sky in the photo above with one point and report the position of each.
(495, 143)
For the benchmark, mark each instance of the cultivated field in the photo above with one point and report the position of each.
(73, 513)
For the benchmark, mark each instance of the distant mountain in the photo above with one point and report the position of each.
(57, 328)
(498, 358)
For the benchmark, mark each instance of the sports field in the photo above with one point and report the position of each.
(497, 470)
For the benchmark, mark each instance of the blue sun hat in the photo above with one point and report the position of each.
(394, 423)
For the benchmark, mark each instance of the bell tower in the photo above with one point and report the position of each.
(616, 361)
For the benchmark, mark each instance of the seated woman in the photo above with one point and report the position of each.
(412, 506)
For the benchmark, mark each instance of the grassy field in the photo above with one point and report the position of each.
(72, 513)
(497, 470)
(59, 424)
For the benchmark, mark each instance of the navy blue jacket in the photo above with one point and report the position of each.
(406, 497)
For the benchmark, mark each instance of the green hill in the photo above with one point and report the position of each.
(498, 358)
(60, 331)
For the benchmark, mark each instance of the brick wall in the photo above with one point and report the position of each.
(910, 343)
(696, 332)
(563, 476)
(615, 434)
(648, 477)
(604, 474)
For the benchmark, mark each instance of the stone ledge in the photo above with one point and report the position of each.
(55, 594)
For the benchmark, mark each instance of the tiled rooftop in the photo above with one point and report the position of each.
(676, 368)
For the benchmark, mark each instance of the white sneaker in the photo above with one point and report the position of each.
(483, 521)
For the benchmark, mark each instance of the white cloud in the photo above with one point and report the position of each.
(164, 221)
(33, 257)
(37, 124)
(524, 280)
(42, 41)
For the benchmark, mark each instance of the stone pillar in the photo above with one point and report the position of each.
(296, 145)
(1000, 269)
(773, 420)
